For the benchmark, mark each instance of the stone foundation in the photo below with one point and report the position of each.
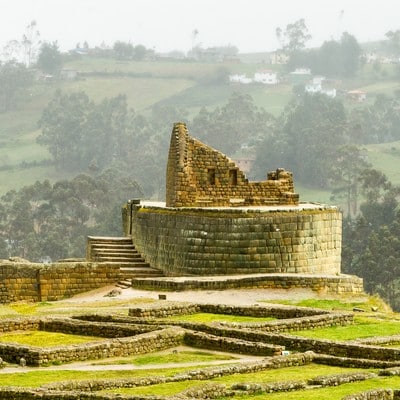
(304, 239)
(317, 283)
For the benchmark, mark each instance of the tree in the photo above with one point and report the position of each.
(351, 52)
(123, 51)
(394, 41)
(371, 246)
(14, 79)
(139, 52)
(44, 220)
(295, 36)
(346, 172)
(378, 123)
(31, 42)
(304, 139)
(49, 59)
(63, 124)
(237, 123)
(337, 58)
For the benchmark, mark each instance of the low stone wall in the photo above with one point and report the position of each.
(340, 379)
(197, 374)
(317, 283)
(267, 310)
(166, 309)
(48, 282)
(139, 344)
(305, 318)
(99, 329)
(232, 345)
(348, 362)
(19, 324)
(375, 394)
(15, 393)
(171, 308)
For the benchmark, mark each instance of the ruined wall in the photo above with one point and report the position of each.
(199, 176)
(42, 282)
(238, 241)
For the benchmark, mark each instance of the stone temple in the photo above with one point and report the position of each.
(216, 223)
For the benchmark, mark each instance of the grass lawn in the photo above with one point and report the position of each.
(336, 304)
(268, 376)
(141, 93)
(206, 318)
(45, 375)
(46, 339)
(386, 157)
(181, 356)
(363, 327)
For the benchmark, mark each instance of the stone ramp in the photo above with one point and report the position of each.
(122, 252)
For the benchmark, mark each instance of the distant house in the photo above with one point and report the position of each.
(313, 88)
(319, 84)
(266, 77)
(301, 71)
(240, 78)
(357, 95)
(278, 58)
(330, 92)
(318, 79)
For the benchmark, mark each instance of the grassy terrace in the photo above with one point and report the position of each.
(170, 362)
(45, 339)
(208, 317)
(364, 327)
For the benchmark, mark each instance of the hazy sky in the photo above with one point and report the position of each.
(168, 24)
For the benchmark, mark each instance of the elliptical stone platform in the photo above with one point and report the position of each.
(217, 223)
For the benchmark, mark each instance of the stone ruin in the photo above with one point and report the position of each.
(198, 175)
(216, 222)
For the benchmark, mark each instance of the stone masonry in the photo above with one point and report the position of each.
(198, 175)
(216, 222)
(228, 241)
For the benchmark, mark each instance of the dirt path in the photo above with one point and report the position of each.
(231, 297)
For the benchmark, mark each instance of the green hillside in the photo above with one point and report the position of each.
(186, 85)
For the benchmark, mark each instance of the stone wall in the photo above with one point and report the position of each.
(302, 240)
(170, 308)
(47, 282)
(319, 283)
(198, 175)
(298, 343)
(231, 345)
(118, 347)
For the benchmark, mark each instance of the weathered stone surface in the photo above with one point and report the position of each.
(198, 241)
(198, 175)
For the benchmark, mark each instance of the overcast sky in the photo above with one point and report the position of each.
(168, 24)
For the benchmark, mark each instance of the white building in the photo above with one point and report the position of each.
(239, 78)
(266, 77)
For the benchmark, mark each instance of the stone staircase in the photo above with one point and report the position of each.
(120, 251)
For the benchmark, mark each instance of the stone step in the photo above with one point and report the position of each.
(109, 239)
(124, 284)
(115, 251)
(106, 256)
(141, 272)
(116, 257)
(128, 264)
(112, 246)
(120, 251)
(119, 259)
